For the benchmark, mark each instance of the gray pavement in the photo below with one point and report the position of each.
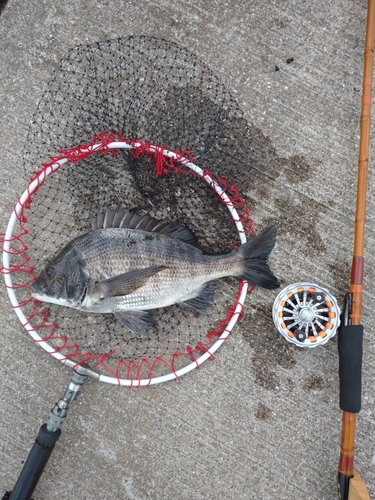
(262, 421)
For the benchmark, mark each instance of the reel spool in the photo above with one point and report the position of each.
(306, 314)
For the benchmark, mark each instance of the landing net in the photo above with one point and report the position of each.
(175, 146)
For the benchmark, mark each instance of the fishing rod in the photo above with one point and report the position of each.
(307, 315)
(350, 332)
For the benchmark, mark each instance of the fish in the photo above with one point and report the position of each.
(130, 265)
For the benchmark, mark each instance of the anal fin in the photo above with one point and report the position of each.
(139, 322)
(203, 299)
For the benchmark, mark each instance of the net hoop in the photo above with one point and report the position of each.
(76, 154)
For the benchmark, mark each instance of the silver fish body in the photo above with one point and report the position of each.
(129, 271)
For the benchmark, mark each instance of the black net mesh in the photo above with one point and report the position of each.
(155, 91)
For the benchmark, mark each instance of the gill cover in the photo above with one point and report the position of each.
(62, 279)
(75, 281)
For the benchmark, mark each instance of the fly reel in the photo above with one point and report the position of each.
(307, 315)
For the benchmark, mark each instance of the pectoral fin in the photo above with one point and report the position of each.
(126, 283)
(139, 322)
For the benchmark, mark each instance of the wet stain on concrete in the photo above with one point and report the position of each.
(341, 272)
(278, 185)
(296, 169)
(263, 412)
(265, 375)
(314, 383)
(299, 217)
(270, 349)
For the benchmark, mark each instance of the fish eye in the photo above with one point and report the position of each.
(49, 273)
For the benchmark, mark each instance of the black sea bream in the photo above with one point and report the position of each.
(129, 264)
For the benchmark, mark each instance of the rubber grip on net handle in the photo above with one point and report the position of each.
(35, 464)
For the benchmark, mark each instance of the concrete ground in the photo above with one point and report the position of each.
(262, 421)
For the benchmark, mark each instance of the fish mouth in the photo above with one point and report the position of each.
(39, 293)
(50, 300)
(37, 296)
(37, 289)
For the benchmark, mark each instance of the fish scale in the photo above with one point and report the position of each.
(109, 253)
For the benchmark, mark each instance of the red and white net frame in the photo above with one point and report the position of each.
(164, 160)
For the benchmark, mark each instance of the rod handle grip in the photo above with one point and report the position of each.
(350, 340)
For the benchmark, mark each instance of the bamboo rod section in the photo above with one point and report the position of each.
(346, 462)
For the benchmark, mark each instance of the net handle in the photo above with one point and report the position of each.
(33, 187)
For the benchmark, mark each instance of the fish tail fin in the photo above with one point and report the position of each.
(254, 254)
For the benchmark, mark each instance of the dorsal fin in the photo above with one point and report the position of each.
(120, 218)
